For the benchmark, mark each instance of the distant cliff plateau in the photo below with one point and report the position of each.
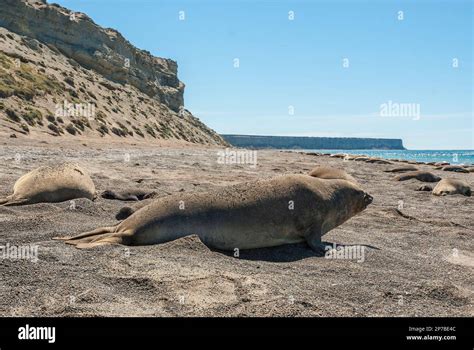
(302, 142)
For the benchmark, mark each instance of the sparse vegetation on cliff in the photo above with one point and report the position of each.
(55, 86)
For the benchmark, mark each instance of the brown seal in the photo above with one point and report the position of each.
(402, 169)
(455, 168)
(424, 188)
(420, 175)
(325, 172)
(56, 183)
(452, 186)
(264, 213)
(128, 195)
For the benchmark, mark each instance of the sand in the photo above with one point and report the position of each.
(418, 260)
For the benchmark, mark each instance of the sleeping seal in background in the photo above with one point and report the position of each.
(264, 213)
(420, 175)
(49, 184)
(128, 195)
(402, 169)
(455, 168)
(452, 186)
(324, 172)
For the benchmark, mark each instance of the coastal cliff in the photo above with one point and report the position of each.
(61, 74)
(104, 50)
(296, 142)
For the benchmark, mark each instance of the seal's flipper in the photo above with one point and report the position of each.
(99, 242)
(9, 201)
(95, 232)
(88, 239)
(101, 236)
(313, 238)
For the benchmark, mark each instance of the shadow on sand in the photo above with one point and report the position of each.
(287, 252)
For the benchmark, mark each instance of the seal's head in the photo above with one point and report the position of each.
(124, 213)
(357, 199)
(347, 200)
(108, 194)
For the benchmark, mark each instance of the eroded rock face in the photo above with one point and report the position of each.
(104, 50)
(61, 75)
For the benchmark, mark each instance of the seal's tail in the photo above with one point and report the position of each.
(5, 200)
(100, 236)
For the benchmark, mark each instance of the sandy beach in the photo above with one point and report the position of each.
(418, 257)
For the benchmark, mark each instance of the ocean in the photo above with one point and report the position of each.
(450, 156)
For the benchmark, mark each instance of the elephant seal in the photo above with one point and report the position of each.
(338, 155)
(57, 183)
(350, 157)
(124, 213)
(361, 159)
(127, 195)
(325, 172)
(420, 175)
(264, 213)
(378, 161)
(402, 169)
(452, 186)
(424, 188)
(455, 168)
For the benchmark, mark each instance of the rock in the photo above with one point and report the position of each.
(104, 50)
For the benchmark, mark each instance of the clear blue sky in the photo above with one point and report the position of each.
(299, 63)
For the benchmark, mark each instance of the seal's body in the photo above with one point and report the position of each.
(424, 188)
(51, 184)
(402, 169)
(128, 195)
(420, 175)
(324, 172)
(452, 186)
(455, 168)
(265, 213)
